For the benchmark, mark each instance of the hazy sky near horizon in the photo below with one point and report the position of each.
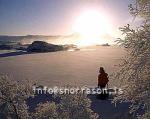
(55, 17)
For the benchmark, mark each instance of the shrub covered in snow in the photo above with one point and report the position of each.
(13, 96)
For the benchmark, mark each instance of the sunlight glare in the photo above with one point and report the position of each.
(91, 25)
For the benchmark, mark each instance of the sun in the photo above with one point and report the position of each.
(91, 25)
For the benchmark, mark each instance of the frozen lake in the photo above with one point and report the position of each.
(64, 67)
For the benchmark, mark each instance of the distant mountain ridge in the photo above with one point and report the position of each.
(16, 38)
(12, 38)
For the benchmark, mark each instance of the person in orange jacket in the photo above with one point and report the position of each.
(102, 78)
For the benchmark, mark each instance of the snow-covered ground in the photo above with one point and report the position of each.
(62, 68)
(76, 68)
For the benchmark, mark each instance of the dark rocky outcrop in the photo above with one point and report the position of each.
(36, 46)
(17, 46)
(41, 46)
(6, 47)
(106, 44)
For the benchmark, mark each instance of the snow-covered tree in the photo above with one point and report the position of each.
(14, 94)
(134, 72)
(46, 110)
(74, 106)
(71, 106)
(13, 97)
